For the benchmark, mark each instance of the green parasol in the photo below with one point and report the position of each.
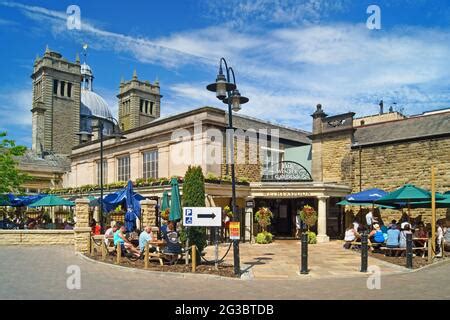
(175, 203)
(51, 200)
(407, 195)
(165, 201)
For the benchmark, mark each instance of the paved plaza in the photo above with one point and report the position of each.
(40, 273)
(281, 259)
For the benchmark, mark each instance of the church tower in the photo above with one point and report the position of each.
(139, 103)
(56, 104)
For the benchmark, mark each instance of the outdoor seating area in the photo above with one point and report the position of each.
(394, 238)
(29, 212)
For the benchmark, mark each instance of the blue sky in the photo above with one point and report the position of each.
(288, 55)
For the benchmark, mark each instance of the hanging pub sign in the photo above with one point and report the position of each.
(289, 171)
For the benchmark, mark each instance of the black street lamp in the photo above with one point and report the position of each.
(229, 94)
(117, 134)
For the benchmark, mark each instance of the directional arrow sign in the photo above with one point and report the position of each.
(206, 215)
(202, 216)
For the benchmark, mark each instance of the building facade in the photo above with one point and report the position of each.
(276, 166)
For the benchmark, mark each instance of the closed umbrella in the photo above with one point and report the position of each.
(133, 208)
(165, 201)
(175, 203)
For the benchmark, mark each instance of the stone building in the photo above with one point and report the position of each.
(277, 166)
(388, 152)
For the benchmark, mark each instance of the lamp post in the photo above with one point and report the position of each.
(228, 93)
(117, 134)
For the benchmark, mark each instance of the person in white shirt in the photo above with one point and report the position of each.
(350, 235)
(439, 238)
(355, 225)
(109, 234)
(369, 219)
(298, 225)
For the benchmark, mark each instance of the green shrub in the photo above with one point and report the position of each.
(226, 178)
(194, 196)
(264, 237)
(244, 180)
(211, 176)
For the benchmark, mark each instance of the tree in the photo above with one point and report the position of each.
(194, 196)
(10, 176)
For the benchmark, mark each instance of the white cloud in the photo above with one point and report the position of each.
(287, 70)
(242, 13)
(15, 106)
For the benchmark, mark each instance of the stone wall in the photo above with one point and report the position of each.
(337, 158)
(249, 169)
(390, 166)
(36, 237)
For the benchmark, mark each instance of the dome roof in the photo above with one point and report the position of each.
(85, 69)
(93, 104)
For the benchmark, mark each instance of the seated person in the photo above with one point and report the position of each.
(109, 234)
(376, 235)
(95, 228)
(350, 235)
(403, 234)
(421, 232)
(446, 239)
(119, 238)
(144, 237)
(393, 236)
(171, 238)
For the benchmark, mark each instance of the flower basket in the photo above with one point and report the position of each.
(165, 214)
(263, 216)
(308, 215)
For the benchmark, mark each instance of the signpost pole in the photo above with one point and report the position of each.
(433, 213)
(186, 248)
(216, 250)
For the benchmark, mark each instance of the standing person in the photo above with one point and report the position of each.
(369, 219)
(95, 228)
(120, 239)
(439, 238)
(298, 225)
(227, 226)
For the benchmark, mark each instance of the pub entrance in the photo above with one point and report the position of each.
(284, 211)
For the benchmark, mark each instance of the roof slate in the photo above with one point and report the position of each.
(409, 128)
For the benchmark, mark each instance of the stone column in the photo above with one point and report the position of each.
(322, 220)
(148, 213)
(82, 230)
(248, 235)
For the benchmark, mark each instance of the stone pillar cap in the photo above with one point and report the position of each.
(82, 201)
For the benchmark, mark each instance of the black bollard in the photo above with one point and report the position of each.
(304, 262)
(364, 251)
(409, 251)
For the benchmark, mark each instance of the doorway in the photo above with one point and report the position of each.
(284, 212)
